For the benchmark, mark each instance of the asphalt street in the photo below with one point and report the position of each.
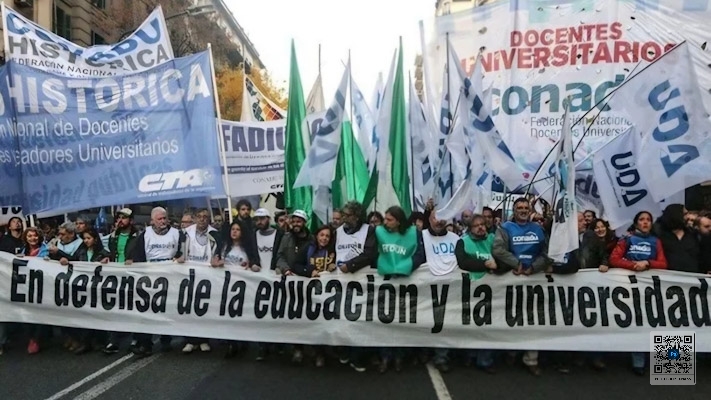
(56, 374)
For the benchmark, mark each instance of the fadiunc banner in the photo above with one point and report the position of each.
(255, 156)
(29, 44)
(586, 311)
(79, 143)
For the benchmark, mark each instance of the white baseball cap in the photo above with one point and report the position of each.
(301, 214)
(262, 212)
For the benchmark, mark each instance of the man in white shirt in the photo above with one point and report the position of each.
(267, 238)
(159, 242)
(200, 245)
(439, 246)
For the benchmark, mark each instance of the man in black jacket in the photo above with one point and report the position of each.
(12, 241)
(298, 237)
(267, 239)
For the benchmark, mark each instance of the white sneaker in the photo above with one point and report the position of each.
(205, 347)
(188, 348)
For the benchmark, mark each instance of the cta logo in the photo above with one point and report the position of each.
(175, 180)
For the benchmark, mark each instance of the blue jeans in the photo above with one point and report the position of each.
(484, 358)
(638, 360)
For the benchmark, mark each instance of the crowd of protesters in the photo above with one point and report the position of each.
(389, 242)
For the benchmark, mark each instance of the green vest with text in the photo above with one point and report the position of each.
(480, 249)
(396, 251)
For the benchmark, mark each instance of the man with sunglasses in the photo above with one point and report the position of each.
(121, 243)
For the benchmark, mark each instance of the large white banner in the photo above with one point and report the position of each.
(255, 153)
(30, 44)
(614, 311)
(537, 53)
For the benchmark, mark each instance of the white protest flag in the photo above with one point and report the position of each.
(319, 168)
(564, 235)
(423, 178)
(256, 107)
(664, 102)
(458, 139)
(377, 98)
(621, 188)
(30, 44)
(367, 134)
(315, 101)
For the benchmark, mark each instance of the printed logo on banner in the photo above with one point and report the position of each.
(672, 358)
(176, 181)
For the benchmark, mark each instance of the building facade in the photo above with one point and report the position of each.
(87, 22)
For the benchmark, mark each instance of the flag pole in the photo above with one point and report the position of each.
(412, 148)
(319, 58)
(352, 138)
(221, 143)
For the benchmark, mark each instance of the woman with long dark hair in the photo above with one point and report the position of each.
(401, 251)
(235, 251)
(91, 250)
(639, 252)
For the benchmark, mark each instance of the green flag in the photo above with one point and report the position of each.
(399, 177)
(294, 150)
(351, 180)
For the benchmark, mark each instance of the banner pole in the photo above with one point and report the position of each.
(226, 179)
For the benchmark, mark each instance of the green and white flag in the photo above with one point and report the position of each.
(294, 151)
(394, 179)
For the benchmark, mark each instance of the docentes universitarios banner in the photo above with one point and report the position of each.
(587, 311)
(254, 152)
(539, 52)
(70, 144)
(30, 44)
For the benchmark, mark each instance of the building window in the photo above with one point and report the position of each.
(63, 24)
(97, 39)
(99, 4)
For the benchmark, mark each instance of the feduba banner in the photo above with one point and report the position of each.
(70, 144)
(614, 311)
(29, 44)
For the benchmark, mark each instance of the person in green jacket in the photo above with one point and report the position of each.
(473, 252)
(400, 251)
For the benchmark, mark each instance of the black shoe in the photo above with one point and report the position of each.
(442, 367)
(82, 349)
(142, 351)
(231, 351)
(165, 347)
(563, 369)
(398, 365)
(110, 349)
(383, 366)
(261, 354)
(489, 370)
(639, 371)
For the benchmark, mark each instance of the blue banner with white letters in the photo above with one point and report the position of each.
(81, 143)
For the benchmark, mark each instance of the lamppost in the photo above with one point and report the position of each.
(192, 11)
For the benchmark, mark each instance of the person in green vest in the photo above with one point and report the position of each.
(473, 252)
(400, 251)
(400, 247)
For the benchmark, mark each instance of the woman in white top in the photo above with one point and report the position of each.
(234, 251)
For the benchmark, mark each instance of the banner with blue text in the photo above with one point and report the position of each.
(81, 143)
(586, 311)
(29, 44)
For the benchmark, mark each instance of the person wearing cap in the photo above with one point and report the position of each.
(291, 244)
(268, 238)
(123, 238)
(121, 243)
